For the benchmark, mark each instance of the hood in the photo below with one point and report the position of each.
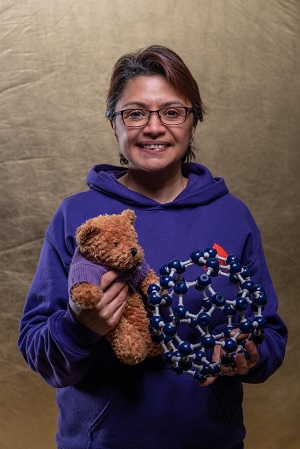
(202, 187)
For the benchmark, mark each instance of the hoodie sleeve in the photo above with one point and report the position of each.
(272, 349)
(51, 341)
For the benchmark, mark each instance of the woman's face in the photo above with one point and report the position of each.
(155, 146)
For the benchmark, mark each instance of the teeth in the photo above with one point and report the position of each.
(154, 147)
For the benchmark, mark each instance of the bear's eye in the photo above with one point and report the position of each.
(116, 243)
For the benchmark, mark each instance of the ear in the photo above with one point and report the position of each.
(129, 215)
(193, 132)
(113, 126)
(85, 232)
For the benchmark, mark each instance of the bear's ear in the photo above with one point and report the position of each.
(130, 215)
(85, 232)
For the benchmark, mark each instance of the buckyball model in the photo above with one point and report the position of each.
(166, 298)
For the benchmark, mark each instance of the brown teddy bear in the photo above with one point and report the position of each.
(110, 242)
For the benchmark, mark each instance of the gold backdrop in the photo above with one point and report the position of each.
(55, 62)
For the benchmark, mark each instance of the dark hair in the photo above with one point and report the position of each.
(155, 60)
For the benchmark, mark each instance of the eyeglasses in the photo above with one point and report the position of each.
(136, 118)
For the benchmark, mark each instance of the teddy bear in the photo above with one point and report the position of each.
(110, 242)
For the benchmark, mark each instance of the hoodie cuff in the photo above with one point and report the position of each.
(75, 335)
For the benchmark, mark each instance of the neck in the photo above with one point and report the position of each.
(161, 187)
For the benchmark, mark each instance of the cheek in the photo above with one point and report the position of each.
(185, 137)
(127, 140)
(121, 135)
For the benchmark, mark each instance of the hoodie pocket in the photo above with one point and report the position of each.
(160, 409)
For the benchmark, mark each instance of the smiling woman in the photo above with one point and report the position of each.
(154, 106)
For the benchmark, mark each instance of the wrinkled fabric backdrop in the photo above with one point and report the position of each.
(55, 63)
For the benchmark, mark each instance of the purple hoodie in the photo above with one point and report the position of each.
(103, 403)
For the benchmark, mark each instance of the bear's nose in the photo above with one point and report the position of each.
(133, 251)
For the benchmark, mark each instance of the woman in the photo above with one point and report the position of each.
(153, 105)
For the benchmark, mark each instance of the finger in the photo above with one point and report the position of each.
(240, 337)
(108, 278)
(238, 365)
(114, 313)
(216, 353)
(208, 381)
(227, 371)
(110, 313)
(253, 353)
(115, 293)
(242, 366)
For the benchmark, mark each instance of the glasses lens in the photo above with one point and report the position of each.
(135, 117)
(172, 116)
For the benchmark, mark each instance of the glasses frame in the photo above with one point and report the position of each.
(153, 112)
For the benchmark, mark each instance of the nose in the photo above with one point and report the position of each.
(133, 251)
(154, 124)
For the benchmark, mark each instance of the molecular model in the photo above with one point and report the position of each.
(167, 298)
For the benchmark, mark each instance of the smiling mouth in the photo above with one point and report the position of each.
(154, 147)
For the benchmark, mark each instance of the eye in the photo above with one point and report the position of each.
(115, 243)
(173, 112)
(134, 114)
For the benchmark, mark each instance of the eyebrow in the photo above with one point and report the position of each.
(142, 105)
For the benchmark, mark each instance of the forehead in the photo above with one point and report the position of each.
(150, 91)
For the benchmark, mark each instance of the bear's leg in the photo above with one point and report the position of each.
(128, 343)
(131, 338)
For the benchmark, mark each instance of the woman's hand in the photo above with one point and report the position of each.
(243, 364)
(106, 315)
